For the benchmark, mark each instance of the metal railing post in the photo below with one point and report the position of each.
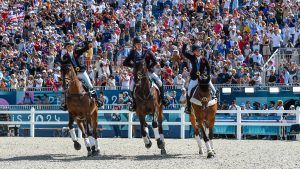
(298, 122)
(130, 116)
(182, 125)
(32, 121)
(239, 124)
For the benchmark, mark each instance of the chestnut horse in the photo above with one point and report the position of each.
(148, 102)
(203, 114)
(82, 109)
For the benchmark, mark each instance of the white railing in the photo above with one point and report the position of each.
(238, 123)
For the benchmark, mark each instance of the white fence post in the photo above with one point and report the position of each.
(239, 124)
(32, 121)
(182, 125)
(298, 122)
(130, 116)
(79, 133)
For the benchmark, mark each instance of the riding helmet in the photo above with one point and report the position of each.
(137, 39)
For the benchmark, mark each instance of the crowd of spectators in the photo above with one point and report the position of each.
(238, 37)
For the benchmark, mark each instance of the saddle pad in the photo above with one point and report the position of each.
(198, 102)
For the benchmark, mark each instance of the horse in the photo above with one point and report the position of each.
(148, 103)
(82, 109)
(203, 114)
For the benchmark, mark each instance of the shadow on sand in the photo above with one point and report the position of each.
(68, 158)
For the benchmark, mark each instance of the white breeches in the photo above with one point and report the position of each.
(85, 78)
(155, 78)
(192, 84)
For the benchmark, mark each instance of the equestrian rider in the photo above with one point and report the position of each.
(199, 65)
(137, 55)
(73, 56)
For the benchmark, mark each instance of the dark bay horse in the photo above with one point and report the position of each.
(148, 102)
(82, 109)
(203, 114)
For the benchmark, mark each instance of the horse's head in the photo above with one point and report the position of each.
(203, 81)
(70, 77)
(141, 72)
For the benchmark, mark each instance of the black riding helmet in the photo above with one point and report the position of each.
(195, 47)
(137, 39)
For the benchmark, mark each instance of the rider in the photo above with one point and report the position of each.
(199, 65)
(137, 55)
(73, 56)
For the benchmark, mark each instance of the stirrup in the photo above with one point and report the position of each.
(165, 102)
(63, 107)
(187, 110)
(132, 107)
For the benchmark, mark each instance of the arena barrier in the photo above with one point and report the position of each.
(35, 117)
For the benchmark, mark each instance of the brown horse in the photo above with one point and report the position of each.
(203, 114)
(148, 102)
(82, 109)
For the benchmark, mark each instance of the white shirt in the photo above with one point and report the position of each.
(39, 83)
(125, 82)
(276, 39)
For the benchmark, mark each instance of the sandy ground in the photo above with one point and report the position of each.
(21, 153)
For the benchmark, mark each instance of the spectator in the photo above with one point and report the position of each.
(182, 99)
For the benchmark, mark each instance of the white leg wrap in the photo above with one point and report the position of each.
(198, 141)
(208, 147)
(211, 144)
(162, 137)
(146, 140)
(96, 144)
(92, 141)
(73, 134)
(87, 142)
(147, 131)
(156, 133)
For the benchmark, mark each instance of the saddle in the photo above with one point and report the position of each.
(196, 101)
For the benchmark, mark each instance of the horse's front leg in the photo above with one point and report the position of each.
(160, 130)
(196, 131)
(77, 145)
(210, 153)
(145, 131)
(81, 124)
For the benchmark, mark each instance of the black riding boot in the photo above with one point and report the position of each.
(63, 105)
(188, 105)
(94, 95)
(132, 107)
(164, 100)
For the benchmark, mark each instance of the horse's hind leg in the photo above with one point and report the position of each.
(206, 140)
(145, 131)
(81, 124)
(77, 145)
(196, 131)
(95, 148)
(161, 140)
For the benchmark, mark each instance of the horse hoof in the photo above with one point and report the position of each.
(95, 152)
(160, 144)
(214, 152)
(148, 145)
(89, 154)
(77, 145)
(210, 154)
(163, 152)
(201, 151)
